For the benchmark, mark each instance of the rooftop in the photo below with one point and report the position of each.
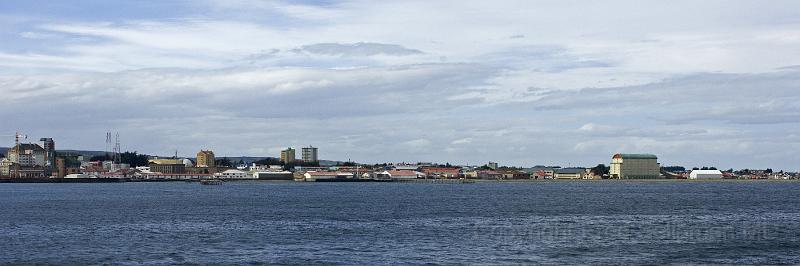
(635, 156)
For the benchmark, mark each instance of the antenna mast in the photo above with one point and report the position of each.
(117, 150)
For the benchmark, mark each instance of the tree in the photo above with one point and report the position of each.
(223, 162)
(600, 170)
(134, 159)
(100, 158)
(768, 171)
(674, 169)
(268, 161)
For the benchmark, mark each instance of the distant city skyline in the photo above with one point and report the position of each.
(698, 83)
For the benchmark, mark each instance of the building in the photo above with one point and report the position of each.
(232, 174)
(492, 165)
(514, 174)
(441, 172)
(314, 176)
(570, 173)
(205, 159)
(705, 174)
(489, 174)
(67, 165)
(5, 167)
(397, 175)
(33, 171)
(49, 146)
(167, 166)
(287, 155)
(310, 154)
(540, 171)
(634, 166)
(28, 154)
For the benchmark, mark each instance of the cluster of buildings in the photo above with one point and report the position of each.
(309, 154)
(40, 160)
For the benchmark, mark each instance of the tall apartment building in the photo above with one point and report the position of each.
(205, 159)
(310, 154)
(634, 166)
(287, 155)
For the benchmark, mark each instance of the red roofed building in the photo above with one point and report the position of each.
(397, 174)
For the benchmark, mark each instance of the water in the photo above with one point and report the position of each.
(606, 222)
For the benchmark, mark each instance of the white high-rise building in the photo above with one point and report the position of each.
(310, 154)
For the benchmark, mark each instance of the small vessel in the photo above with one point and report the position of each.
(211, 182)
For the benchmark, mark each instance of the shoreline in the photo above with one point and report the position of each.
(414, 181)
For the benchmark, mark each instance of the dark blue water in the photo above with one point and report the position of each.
(390, 223)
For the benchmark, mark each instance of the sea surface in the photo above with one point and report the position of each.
(596, 222)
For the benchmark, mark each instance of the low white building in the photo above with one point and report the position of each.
(232, 174)
(314, 176)
(705, 174)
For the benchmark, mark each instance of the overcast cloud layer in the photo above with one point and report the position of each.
(698, 83)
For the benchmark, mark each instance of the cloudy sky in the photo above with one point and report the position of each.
(517, 82)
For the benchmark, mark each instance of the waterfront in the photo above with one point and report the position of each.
(368, 223)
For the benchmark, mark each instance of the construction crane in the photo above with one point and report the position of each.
(17, 137)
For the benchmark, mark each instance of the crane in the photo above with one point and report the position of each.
(17, 136)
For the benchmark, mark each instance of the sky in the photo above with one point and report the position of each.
(521, 83)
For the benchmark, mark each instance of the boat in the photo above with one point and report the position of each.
(211, 182)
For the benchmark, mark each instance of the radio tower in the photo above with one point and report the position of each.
(108, 144)
(117, 150)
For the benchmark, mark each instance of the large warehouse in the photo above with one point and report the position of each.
(634, 166)
(705, 174)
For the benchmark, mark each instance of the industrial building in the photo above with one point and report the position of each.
(634, 166)
(167, 166)
(705, 174)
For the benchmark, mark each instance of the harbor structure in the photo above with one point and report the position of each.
(205, 159)
(273, 175)
(288, 155)
(310, 154)
(634, 166)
